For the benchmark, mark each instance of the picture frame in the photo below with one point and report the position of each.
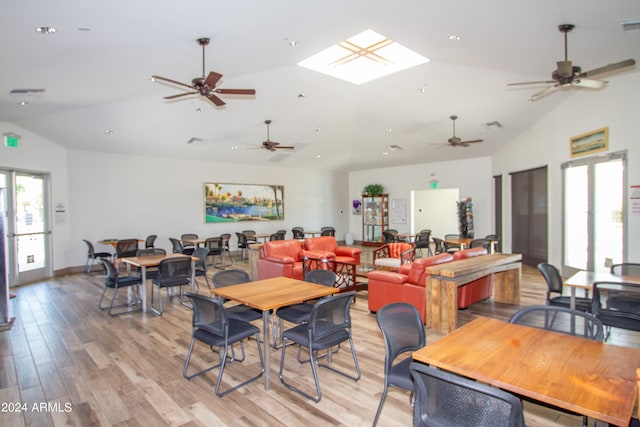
(590, 142)
(227, 202)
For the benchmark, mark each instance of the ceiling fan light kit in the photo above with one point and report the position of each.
(568, 75)
(205, 86)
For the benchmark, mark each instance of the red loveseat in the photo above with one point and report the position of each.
(284, 258)
(407, 285)
(322, 244)
(477, 290)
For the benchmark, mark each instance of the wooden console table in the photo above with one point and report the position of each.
(442, 285)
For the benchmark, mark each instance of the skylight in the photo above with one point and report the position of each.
(364, 57)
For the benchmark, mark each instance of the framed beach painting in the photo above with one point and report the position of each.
(590, 142)
(243, 202)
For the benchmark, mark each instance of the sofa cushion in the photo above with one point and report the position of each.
(322, 243)
(468, 253)
(416, 273)
(282, 249)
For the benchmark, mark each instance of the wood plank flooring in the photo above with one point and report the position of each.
(65, 362)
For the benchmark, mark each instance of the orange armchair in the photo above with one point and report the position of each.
(323, 244)
(284, 258)
(394, 254)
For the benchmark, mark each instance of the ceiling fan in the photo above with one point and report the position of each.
(568, 74)
(272, 145)
(454, 141)
(206, 86)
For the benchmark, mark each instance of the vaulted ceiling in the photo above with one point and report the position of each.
(96, 71)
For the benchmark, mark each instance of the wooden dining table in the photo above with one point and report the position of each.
(463, 242)
(588, 377)
(269, 295)
(585, 279)
(142, 262)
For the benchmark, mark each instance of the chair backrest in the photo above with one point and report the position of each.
(126, 247)
(111, 274)
(176, 269)
(423, 236)
(201, 253)
(402, 330)
(481, 243)
(617, 304)
(188, 236)
(560, 319)
(492, 237)
(331, 314)
(242, 240)
(150, 241)
(208, 314)
(225, 240)
(283, 233)
(626, 269)
(327, 231)
(438, 245)
(552, 277)
(151, 251)
(298, 232)
(214, 245)
(389, 236)
(451, 236)
(443, 398)
(275, 236)
(176, 245)
(90, 250)
(320, 277)
(229, 277)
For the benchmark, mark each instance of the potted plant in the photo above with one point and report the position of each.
(373, 190)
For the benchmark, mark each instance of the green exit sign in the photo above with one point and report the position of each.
(11, 140)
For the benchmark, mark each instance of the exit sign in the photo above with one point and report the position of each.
(11, 140)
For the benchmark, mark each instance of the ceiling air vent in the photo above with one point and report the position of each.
(493, 125)
(26, 92)
(195, 140)
(631, 25)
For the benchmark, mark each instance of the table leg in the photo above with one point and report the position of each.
(266, 349)
(143, 288)
(572, 303)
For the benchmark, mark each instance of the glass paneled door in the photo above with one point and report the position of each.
(593, 222)
(27, 226)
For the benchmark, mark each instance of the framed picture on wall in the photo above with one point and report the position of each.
(243, 202)
(590, 142)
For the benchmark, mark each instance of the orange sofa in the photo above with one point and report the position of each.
(284, 258)
(323, 244)
(408, 284)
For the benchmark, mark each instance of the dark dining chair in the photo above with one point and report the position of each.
(188, 248)
(243, 244)
(423, 241)
(115, 282)
(560, 319)
(298, 233)
(126, 248)
(327, 231)
(172, 273)
(151, 272)
(213, 327)
(200, 266)
(555, 286)
(446, 399)
(235, 277)
(92, 255)
(215, 247)
(403, 333)
(150, 241)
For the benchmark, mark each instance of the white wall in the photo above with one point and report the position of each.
(436, 210)
(398, 182)
(547, 143)
(109, 195)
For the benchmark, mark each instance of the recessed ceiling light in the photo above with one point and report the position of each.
(388, 130)
(234, 147)
(454, 37)
(318, 129)
(291, 43)
(317, 156)
(46, 30)
(385, 153)
(363, 57)
(301, 95)
(199, 110)
(108, 132)
(23, 103)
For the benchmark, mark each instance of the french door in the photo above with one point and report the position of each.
(28, 225)
(593, 213)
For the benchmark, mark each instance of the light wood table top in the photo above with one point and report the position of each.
(271, 294)
(471, 265)
(585, 280)
(114, 242)
(463, 242)
(588, 377)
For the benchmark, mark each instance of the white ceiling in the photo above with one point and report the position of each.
(96, 72)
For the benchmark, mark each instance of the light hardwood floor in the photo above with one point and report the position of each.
(93, 369)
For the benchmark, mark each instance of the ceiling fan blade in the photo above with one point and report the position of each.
(179, 95)
(544, 92)
(171, 81)
(236, 91)
(593, 84)
(532, 83)
(473, 141)
(217, 101)
(608, 68)
(212, 79)
(287, 147)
